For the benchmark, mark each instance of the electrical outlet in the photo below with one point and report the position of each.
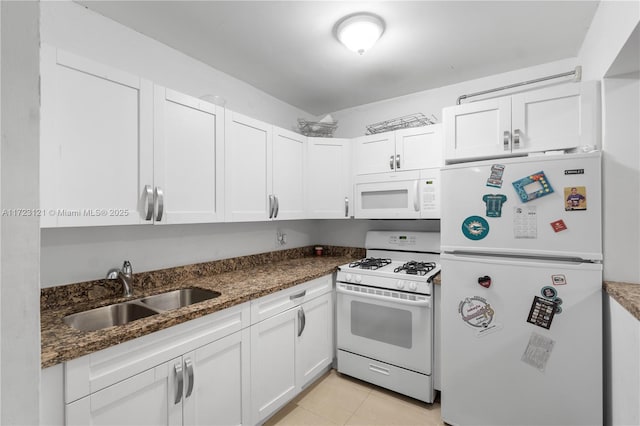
(281, 238)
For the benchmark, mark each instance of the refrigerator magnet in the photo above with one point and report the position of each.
(494, 204)
(558, 225)
(538, 351)
(575, 198)
(478, 314)
(541, 312)
(549, 292)
(475, 228)
(525, 222)
(495, 178)
(533, 186)
(558, 279)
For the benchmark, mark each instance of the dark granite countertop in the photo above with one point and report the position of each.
(270, 272)
(626, 294)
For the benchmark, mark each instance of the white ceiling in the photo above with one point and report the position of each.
(287, 48)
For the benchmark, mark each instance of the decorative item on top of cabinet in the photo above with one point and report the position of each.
(264, 168)
(109, 156)
(401, 150)
(329, 188)
(554, 118)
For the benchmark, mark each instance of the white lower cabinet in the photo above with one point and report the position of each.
(237, 366)
(195, 373)
(291, 347)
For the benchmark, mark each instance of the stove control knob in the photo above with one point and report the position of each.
(358, 278)
(413, 286)
(400, 284)
(349, 277)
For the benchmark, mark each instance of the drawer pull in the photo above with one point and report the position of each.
(377, 369)
(299, 295)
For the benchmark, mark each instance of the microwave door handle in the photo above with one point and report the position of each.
(416, 199)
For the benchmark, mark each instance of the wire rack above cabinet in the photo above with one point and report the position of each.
(412, 120)
(317, 128)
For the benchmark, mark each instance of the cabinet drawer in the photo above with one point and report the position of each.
(273, 304)
(100, 369)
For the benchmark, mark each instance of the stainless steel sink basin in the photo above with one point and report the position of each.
(178, 298)
(108, 316)
(124, 313)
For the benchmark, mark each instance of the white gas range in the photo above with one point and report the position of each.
(385, 312)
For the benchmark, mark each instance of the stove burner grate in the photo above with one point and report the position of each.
(370, 263)
(416, 268)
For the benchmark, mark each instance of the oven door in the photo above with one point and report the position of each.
(386, 325)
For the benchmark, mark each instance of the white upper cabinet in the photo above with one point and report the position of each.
(188, 158)
(115, 150)
(248, 151)
(330, 190)
(264, 171)
(289, 177)
(96, 142)
(406, 149)
(555, 118)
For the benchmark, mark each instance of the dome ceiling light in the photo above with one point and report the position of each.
(360, 32)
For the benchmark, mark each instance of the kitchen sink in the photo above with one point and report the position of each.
(124, 313)
(178, 298)
(108, 316)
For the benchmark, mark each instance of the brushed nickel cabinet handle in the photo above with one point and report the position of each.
(296, 296)
(159, 202)
(277, 208)
(346, 206)
(391, 162)
(302, 321)
(189, 366)
(148, 215)
(397, 161)
(271, 205)
(506, 140)
(516, 139)
(177, 372)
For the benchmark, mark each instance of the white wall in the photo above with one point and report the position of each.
(69, 26)
(353, 121)
(351, 233)
(71, 255)
(20, 244)
(603, 47)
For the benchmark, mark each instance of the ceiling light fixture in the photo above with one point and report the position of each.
(360, 32)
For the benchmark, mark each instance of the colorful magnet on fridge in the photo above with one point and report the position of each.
(549, 292)
(575, 198)
(494, 204)
(558, 225)
(495, 179)
(533, 186)
(475, 228)
(558, 279)
(558, 310)
(485, 281)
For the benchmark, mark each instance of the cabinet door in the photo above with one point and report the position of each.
(314, 344)
(419, 148)
(375, 153)
(273, 363)
(289, 163)
(559, 117)
(220, 389)
(147, 398)
(96, 143)
(329, 193)
(248, 151)
(478, 129)
(188, 158)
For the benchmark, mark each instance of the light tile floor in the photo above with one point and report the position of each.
(338, 399)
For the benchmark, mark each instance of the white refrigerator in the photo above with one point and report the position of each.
(522, 291)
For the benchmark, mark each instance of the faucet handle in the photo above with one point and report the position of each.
(113, 273)
(126, 268)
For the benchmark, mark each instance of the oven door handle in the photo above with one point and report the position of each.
(418, 303)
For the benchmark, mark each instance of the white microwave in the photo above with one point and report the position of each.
(411, 194)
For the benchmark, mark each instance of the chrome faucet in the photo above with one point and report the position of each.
(124, 276)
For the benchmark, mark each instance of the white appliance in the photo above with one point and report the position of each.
(385, 312)
(413, 194)
(522, 291)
